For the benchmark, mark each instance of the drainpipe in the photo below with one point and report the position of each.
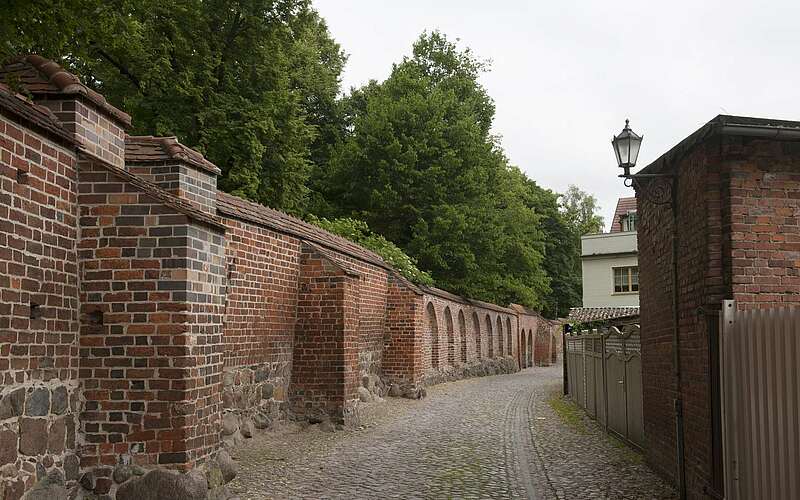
(676, 338)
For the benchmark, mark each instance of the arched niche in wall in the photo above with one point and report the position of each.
(433, 333)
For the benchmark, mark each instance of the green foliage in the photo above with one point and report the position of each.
(358, 232)
(254, 85)
(562, 251)
(421, 168)
(580, 212)
(250, 83)
(569, 413)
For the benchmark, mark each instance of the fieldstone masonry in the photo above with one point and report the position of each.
(149, 322)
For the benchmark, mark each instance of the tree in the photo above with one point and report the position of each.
(420, 166)
(360, 233)
(251, 83)
(562, 252)
(581, 211)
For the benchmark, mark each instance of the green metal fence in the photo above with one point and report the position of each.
(605, 378)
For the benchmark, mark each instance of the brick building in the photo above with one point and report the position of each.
(738, 237)
(149, 319)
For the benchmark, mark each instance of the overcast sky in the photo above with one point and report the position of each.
(566, 74)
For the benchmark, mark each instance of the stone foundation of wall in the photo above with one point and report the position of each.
(252, 399)
(127, 481)
(482, 368)
(38, 422)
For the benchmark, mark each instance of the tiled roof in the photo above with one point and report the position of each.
(588, 314)
(42, 76)
(336, 259)
(37, 116)
(159, 194)
(624, 205)
(239, 208)
(146, 148)
(525, 310)
(463, 300)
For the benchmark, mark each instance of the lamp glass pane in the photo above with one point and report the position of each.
(635, 143)
(623, 150)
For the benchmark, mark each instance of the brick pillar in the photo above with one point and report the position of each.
(152, 285)
(403, 345)
(325, 359)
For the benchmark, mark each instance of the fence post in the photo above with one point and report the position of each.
(729, 451)
(564, 329)
(605, 380)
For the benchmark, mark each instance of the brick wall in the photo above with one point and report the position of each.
(763, 181)
(479, 335)
(402, 353)
(40, 394)
(372, 303)
(152, 297)
(187, 182)
(102, 135)
(738, 238)
(701, 287)
(262, 308)
(263, 273)
(139, 327)
(529, 324)
(443, 313)
(326, 344)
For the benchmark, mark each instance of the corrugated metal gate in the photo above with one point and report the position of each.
(605, 379)
(760, 377)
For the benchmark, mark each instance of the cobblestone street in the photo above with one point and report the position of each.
(490, 437)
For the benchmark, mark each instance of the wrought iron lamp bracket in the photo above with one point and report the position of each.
(655, 188)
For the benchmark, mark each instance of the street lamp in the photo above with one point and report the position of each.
(626, 147)
(660, 189)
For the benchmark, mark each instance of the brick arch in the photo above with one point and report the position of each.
(529, 360)
(462, 331)
(451, 346)
(476, 325)
(509, 338)
(490, 336)
(500, 341)
(522, 346)
(432, 333)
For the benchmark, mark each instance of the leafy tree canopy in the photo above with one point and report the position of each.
(580, 210)
(250, 83)
(420, 166)
(406, 167)
(358, 232)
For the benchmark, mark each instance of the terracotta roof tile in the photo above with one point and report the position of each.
(37, 116)
(146, 148)
(588, 314)
(525, 310)
(336, 259)
(239, 208)
(624, 205)
(42, 76)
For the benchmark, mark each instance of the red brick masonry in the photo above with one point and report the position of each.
(147, 318)
(738, 238)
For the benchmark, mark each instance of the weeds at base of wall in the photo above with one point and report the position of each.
(628, 454)
(575, 418)
(569, 412)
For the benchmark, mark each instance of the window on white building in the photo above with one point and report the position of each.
(629, 221)
(626, 279)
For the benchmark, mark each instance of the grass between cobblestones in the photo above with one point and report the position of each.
(568, 411)
(630, 455)
(572, 415)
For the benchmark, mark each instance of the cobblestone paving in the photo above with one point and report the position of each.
(489, 437)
